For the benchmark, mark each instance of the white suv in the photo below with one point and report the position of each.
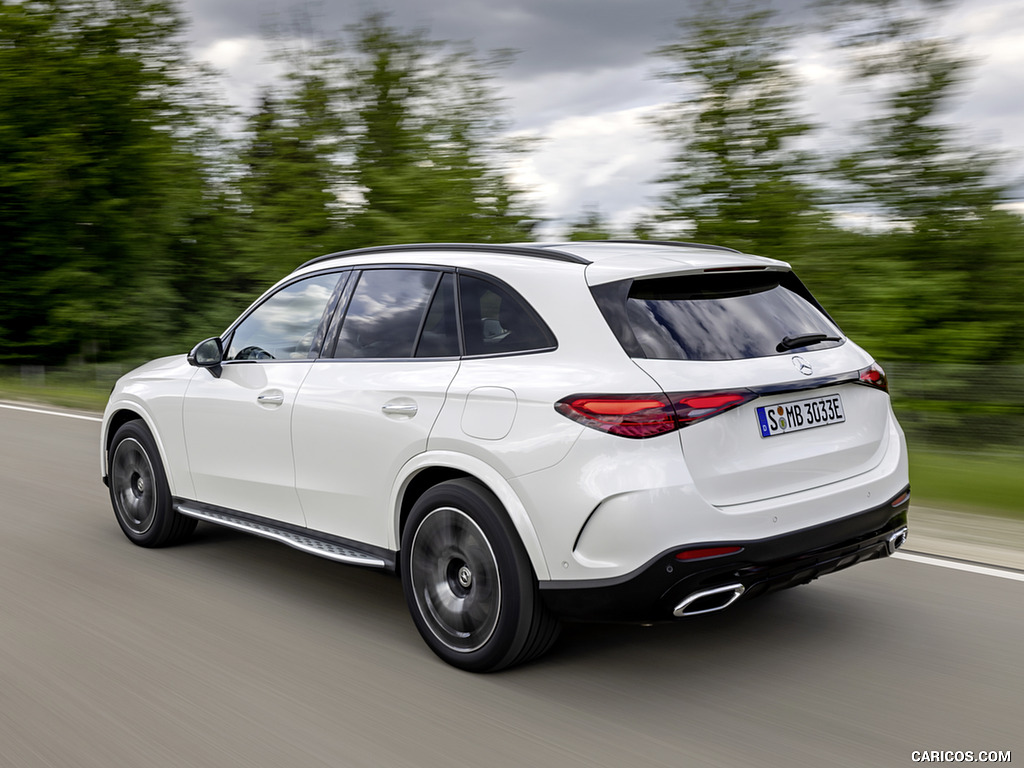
(633, 431)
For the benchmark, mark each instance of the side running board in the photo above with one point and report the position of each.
(307, 542)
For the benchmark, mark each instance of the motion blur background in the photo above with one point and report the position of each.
(146, 197)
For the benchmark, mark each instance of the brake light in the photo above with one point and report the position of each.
(640, 416)
(634, 416)
(694, 408)
(734, 269)
(874, 376)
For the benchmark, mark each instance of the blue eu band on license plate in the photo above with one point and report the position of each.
(797, 415)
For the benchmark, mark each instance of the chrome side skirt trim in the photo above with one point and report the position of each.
(310, 544)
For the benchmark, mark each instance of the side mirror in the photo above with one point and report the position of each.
(208, 354)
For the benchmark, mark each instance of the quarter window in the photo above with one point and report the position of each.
(284, 326)
(496, 321)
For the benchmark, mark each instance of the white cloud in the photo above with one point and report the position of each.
(246, 66)
(605, 161)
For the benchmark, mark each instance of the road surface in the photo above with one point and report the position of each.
(236, 651)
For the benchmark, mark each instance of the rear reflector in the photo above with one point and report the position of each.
(700, 554)
(640, 416)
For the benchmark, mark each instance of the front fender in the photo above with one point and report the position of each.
(155, 394)
(114, 413)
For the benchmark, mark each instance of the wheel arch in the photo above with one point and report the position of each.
(118, 419)
(119, 415)
(428, 469)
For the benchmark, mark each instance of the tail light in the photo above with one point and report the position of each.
(640, 416)
(693, 408)
(623, 415)
(874, 376)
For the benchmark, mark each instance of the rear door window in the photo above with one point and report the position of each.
(440, 336)
(385, 313)
(727, 316)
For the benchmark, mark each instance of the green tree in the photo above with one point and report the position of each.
(101, 129)
(644, 227)
(952, 255)
(591, 225)
(287, 190)
(912, 164)
(427, 157)
(737, 176)
(384, 136)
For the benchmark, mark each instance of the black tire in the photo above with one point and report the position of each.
(139, 492)
(468, 581)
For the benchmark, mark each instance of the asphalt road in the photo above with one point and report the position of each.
(236, 651)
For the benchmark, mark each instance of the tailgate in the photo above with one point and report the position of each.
(796, 435)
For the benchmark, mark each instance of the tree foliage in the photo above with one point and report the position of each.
(99, 135)
(426, 149)
(737, 175)
(915, 167)
(591, 225)
(289, 210)
(130, 225)
(949, 250)
(396, 136)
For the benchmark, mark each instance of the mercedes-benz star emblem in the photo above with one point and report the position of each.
(802, 365)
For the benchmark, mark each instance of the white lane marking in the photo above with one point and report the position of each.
(50, 413)
(958, 566)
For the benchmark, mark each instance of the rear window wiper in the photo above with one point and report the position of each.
(804, 340)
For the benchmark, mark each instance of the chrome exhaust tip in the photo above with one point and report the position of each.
(896, 540)
(709, 600)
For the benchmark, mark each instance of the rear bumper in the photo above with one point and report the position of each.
(655, 591)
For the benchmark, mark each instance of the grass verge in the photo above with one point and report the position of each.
(992, 484)
(53, 390)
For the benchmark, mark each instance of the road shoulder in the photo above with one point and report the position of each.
(971, 536)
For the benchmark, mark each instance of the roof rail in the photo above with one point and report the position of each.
(671, 242)
(512, 250)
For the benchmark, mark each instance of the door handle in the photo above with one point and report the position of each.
(400, 409)
(271, 398)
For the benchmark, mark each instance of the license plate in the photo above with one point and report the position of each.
(800, 414)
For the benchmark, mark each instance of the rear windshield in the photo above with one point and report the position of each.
(722, 316)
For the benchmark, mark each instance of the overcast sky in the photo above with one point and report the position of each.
(582, 80)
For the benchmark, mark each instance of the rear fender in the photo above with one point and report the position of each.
(487, 476)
